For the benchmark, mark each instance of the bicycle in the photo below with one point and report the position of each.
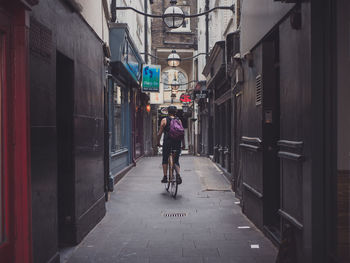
(171, 185)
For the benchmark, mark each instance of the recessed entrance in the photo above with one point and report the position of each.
(65, 161)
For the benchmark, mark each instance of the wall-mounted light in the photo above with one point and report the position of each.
(249, 58)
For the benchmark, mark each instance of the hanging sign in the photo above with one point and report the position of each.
(185, 98)
(203, 94)
(150, 78)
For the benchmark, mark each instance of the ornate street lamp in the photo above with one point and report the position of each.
(173, 16)
(175, 85)
(174, 59)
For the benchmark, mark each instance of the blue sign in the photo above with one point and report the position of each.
(150, 78)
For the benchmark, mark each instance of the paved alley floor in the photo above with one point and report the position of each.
(211, 229)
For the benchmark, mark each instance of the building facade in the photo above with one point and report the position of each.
(289, 163)
(129, 122)
(67, 90)
(215, 108)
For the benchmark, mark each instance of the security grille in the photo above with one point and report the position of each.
(40, 40)
(258, 89)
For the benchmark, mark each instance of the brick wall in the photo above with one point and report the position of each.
(163, 37)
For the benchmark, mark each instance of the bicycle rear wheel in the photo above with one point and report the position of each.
(173, 189)
(173, 181)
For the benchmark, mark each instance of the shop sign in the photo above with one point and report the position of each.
(185, 98)
(202, 95)
(150, 78)
(131, 62)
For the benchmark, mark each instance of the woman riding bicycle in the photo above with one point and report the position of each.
(170, 144)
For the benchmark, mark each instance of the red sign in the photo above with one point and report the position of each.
(185, 98)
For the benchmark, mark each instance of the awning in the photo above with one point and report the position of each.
(126, 61)
(215, 69)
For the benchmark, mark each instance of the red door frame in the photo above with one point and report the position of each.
(15, 130)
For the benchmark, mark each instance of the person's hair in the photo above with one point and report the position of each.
(172, 110)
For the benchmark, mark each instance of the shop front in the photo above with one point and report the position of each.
(220, 87)
(125, 100)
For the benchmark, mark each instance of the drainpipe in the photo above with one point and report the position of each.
(146, 29)
(113, 11)
(206, 30)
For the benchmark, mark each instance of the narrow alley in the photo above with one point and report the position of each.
(139, 226)
(99, 97)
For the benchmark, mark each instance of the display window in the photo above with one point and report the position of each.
(118, 129)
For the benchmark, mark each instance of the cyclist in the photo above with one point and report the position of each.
(170, 144)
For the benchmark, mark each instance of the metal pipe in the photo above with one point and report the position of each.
(145, 31)
(207, 30)
(185, 16)
(186, 58)
(114, 10)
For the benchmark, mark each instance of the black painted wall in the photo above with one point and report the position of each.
(301, 138)
(64, 31)
(252, 160)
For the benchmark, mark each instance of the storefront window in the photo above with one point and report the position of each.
(343, 133)
(117, 136)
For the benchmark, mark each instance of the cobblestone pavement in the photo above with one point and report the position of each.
(211, 228)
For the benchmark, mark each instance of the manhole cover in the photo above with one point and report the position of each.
(175, 214)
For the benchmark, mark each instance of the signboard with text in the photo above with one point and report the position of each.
(185, 98)
(150, 78)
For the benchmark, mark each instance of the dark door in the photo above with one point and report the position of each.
(238, 173)
(339, 215)
(65, 161)
(271, 134)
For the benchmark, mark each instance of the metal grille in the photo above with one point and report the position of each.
(175, 214)
(40, 40)
(258, 88)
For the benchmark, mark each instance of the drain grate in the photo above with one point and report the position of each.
(175, 214)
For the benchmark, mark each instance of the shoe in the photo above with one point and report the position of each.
(178, 179)
(164, 180)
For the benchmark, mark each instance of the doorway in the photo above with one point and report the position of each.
(238, 120)
(65, 141)
(341, 217)
(271, 134)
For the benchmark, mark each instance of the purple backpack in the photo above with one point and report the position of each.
(176, 131)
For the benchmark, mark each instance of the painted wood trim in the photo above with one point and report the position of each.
(251, 139)
(120, 152)
(250, 147)
(291, 219)
(290, 144)
(253, 190)
(291, 156)
(224, 97)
